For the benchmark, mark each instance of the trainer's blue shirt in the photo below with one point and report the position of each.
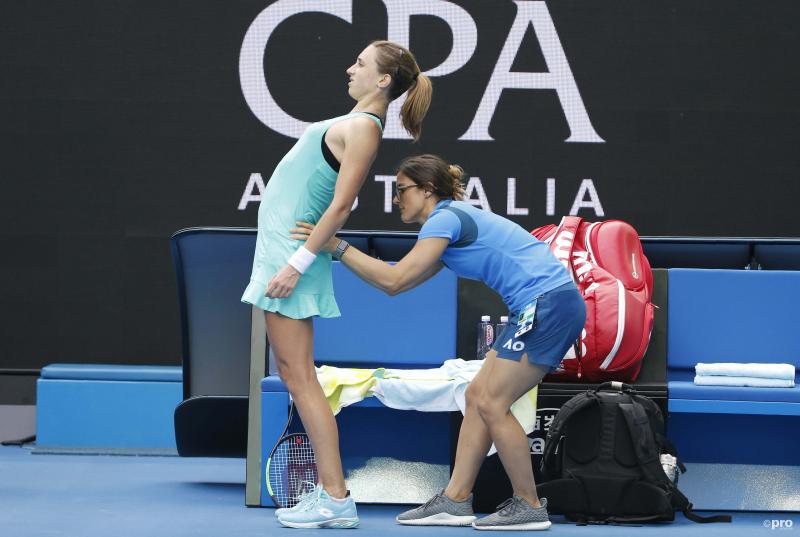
(487, 247)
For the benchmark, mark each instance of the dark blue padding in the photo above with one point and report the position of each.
(393, 248)
(127, 373)
(413, 329)
(213, 268)
(356, 241)
(731, 316)
(672, 254)
(778, 256)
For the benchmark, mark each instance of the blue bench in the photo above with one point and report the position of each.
(740, 443)
(224, 353)
(732, 316)
(107, 406)
(411, 330)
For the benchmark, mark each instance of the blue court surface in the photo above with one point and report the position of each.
(121, 496)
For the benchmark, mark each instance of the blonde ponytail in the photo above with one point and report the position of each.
(416, 106)
(398, 62)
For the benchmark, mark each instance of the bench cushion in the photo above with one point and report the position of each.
(132, 373)
(107, 406)
(731, 316)
(682, 386)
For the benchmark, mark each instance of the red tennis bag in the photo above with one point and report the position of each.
(607, 264)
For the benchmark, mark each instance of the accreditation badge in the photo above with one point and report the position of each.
(526, 319)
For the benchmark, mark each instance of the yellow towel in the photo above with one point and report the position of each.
(345, 386)
(524, 409)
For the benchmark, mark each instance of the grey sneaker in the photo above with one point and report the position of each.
(439, 511)
(515, 514)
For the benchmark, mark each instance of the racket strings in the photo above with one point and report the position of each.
(293, 470)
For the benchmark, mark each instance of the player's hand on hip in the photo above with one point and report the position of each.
(303, 231)
(283, 283)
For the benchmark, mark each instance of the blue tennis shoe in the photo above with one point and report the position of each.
(309, 495)
(319, 510)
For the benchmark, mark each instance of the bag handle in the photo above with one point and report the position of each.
(615, 386)
(564, 239)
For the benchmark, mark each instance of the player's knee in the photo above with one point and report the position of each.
(472, 393)
(293, 375)
(489, 408)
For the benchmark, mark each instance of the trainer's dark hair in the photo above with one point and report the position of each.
(398, 62)
(436, 175)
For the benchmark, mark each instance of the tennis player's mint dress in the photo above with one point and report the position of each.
(300, 189)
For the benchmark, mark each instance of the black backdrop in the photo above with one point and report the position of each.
(124, 121)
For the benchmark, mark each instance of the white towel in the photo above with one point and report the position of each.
(443, 389)
(428, 390)
(766, 371)
(755, 382)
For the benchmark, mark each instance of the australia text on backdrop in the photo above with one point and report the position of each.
(585, 198)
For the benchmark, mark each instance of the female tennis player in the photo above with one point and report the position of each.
(547, 315)
(318, 181)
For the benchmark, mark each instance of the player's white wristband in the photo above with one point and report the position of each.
(302, 259)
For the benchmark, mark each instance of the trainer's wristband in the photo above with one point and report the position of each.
(302, 259)
(341, 248)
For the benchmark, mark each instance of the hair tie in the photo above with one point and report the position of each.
(416, 75)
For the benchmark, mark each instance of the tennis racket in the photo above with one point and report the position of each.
(291, 467)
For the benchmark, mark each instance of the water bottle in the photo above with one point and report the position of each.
(485, 336)
(670, 466)
(499, 327)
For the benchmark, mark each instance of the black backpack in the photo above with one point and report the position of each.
(601, 461)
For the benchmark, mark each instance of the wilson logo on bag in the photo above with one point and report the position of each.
(607, 264)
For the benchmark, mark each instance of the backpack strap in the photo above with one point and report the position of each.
(647, 455)
(551, 464)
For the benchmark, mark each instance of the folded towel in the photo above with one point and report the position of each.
(766, 371)
(755, 382)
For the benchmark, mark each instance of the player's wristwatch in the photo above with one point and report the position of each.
(341, 248)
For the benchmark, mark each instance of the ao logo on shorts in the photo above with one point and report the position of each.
(513, 345)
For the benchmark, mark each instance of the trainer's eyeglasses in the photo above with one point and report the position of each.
(398, 190)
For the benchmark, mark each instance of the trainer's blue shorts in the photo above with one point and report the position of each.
(560, 316)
